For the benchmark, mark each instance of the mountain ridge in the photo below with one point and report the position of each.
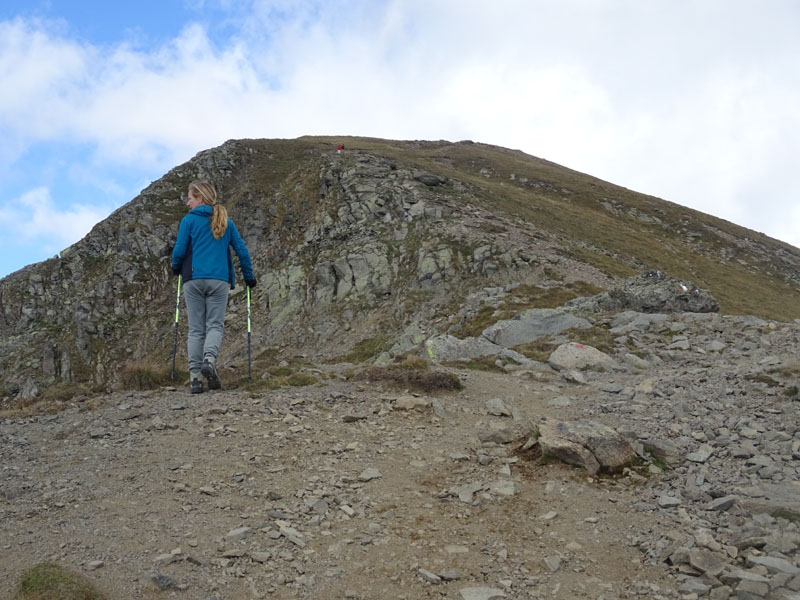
(357, 247)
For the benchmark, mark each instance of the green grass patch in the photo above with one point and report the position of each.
(56, 398)
(301, 379)
(532, 296)
(485, 317)
(539, 350)
(281, 371)
(267, 376)
(660, 464)
(483, 363)
(65, 391)
(786, 372)
(669, 333)
(597, 337)
(788, 514)
(50, 581)
(366, 349)
(269, 355)
(256, 385)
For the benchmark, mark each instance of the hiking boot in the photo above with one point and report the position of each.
(209, 371)
(197, 386)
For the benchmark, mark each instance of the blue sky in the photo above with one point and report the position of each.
(693, 102)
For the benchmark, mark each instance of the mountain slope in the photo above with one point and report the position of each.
(353, 249)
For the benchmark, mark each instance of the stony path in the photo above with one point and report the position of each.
(348, 490)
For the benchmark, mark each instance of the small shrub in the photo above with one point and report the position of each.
(413, 373)
(48, 581)
(792, 391)
(144, 377)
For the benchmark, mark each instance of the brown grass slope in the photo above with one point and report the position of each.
(749, 272)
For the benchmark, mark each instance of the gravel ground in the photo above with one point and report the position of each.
(354, 490)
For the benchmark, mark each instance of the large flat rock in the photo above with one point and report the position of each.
(588, 444)
(531, 325)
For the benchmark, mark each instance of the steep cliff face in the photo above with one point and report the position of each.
(385, 238)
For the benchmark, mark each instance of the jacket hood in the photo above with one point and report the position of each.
(203, 210)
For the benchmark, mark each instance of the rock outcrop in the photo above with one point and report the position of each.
(652, 292)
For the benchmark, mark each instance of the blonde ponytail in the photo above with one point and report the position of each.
(219, 221)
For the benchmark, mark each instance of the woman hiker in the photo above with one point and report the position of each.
(202, 257)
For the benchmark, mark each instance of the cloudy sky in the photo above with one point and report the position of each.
(693, 101)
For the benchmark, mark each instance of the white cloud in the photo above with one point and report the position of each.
(131, 105)
(35, 215)
(725, 150)
(693, 103)
(41, 68)
(787, 228)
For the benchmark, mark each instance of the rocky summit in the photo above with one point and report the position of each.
(475, 374)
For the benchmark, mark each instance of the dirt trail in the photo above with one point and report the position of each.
(318, 492)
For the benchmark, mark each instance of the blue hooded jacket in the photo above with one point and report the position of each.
(199, 256)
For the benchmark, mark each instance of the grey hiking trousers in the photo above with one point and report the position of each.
(206, 302)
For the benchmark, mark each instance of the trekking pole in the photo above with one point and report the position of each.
(248, 335)
(175, 335)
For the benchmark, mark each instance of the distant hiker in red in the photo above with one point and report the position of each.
(339, 148)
